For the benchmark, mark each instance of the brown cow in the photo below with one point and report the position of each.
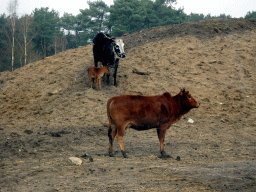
(146, 112)
(97, 74)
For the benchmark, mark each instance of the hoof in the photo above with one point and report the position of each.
(110, 154)
(164, 155)
(124, 154)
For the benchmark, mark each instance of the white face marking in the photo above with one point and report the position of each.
(115, 55)
(120, 43)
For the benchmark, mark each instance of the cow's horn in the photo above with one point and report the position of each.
(106, 36)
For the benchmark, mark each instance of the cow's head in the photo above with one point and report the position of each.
(188, 101)
(118, 46)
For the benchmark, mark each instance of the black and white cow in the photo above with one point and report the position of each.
(108, 51)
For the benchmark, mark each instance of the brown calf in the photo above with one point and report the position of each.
(146, 112)
(97, 74)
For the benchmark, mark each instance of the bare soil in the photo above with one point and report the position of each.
(48, 113)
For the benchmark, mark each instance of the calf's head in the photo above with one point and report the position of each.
(118, 46)
(105, 69)
(187, 100)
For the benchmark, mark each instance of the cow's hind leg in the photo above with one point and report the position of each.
(111, 135)
(95, 62)
(119, 136)
(161, 136)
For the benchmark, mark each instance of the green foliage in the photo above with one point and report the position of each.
(4, 59)
(67, 21)
(47, 23)
(93, 20)
(250, 14)
(196, 17)
(2, 23)
(127, 16)
(133, 15)
(98, 11)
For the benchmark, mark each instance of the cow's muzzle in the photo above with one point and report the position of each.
(123, 55)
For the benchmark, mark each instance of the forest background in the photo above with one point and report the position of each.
(29, 38)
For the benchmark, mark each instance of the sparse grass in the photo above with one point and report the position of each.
(216, 25)
(225, 25)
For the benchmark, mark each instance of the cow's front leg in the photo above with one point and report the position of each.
(95, 62)
(161, 136)
(107, 78)
(114, 75)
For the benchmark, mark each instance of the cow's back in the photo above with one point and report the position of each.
(100, 39)
(139, 111)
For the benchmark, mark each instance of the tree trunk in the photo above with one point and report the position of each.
(44, 48)
(25, 50)
(13, 43)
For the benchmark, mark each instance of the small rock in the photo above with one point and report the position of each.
(75, 160)
(55, 134)
(190, 120)
(28, 132)
(91, 159)
(13, 134)
(178, 158)
(84, 156)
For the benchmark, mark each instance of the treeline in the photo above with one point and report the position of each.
(43, 33)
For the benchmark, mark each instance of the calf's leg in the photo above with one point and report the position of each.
(91, 81)
(100, 82)
(97, 82)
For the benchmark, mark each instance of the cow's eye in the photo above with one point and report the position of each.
(116, 46)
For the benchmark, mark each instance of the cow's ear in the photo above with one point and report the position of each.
(185, 92)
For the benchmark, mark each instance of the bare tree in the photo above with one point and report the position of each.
(12, 9)
(60, 43)
(28, 33)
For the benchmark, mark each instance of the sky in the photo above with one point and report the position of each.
(235, 8)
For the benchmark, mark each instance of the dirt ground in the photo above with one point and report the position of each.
(48, 113)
